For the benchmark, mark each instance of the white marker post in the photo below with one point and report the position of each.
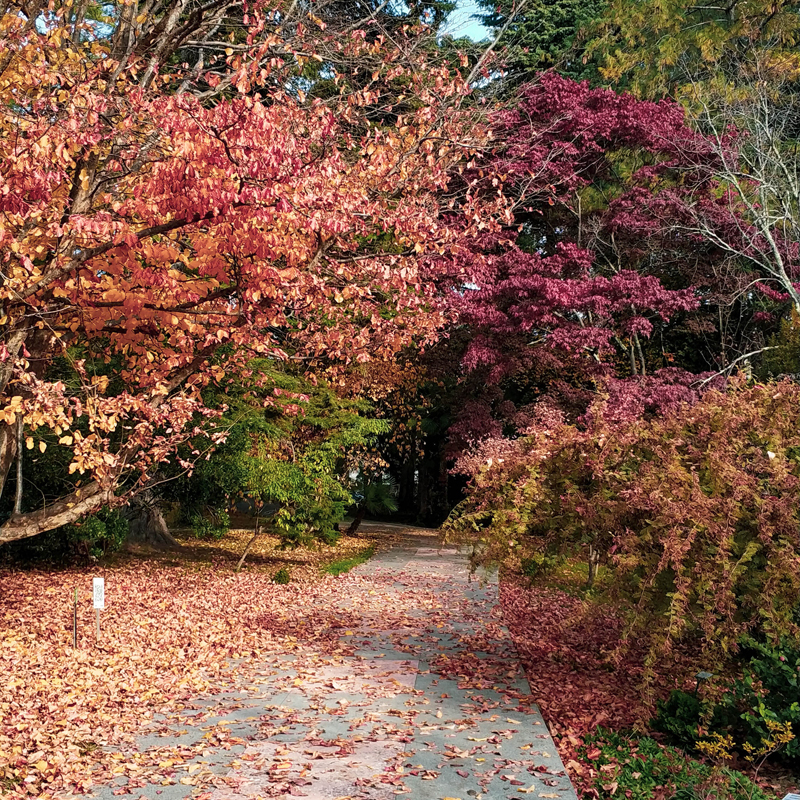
(99, 597)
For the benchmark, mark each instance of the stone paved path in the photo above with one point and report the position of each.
(424, 699)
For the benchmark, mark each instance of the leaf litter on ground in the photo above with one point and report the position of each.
(174, 627)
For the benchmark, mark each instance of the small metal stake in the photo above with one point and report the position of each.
(97, 612)
(75, 620)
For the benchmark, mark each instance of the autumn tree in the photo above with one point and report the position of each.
(653, 48)
(155, 212)
(567, 298)
(609, 431)
(649, 243)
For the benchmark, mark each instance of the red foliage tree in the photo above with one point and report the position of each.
(152, 216)
(603, 258)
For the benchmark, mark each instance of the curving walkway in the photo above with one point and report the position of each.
(424, 697)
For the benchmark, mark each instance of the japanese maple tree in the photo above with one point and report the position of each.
(640, 236)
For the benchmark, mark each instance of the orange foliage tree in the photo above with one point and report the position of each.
(155, 213)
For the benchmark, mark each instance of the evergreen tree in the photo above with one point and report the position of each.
(544, 34)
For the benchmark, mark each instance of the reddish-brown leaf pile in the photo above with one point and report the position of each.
(564, 644)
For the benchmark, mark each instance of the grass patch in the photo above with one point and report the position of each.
(346, 564)
(567, 574)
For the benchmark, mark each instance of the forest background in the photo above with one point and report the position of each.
(312, 258)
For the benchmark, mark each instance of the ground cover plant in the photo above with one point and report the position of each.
(641, 768)
(343, 565)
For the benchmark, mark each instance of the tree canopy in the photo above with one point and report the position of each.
(155, 212)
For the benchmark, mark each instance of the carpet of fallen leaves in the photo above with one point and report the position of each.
(181, 625)
(174, 626)
(564, 643)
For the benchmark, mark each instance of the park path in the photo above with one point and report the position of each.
(424, 697)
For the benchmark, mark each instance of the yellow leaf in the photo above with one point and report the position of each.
(29, 442)
(42, 446)
(41, 765)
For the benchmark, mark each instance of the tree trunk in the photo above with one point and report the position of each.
(83, 501)
(359, 518)
(407, 494)
(8, 452)
(147, 524)
(249, 545)
(594, 561)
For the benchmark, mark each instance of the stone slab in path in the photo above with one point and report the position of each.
(423, 699)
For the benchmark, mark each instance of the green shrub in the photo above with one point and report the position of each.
(539, 563)
(102, 533)
(679, 718)
(640, 769)
(328, 537)
(97, 535)
(214, 528)
(282, 576)
(767, 691)
(291, 444)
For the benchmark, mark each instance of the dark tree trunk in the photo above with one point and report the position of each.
(358, 519)
(147, 524)
(424, 492)
(407, 496)
(594, 562)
